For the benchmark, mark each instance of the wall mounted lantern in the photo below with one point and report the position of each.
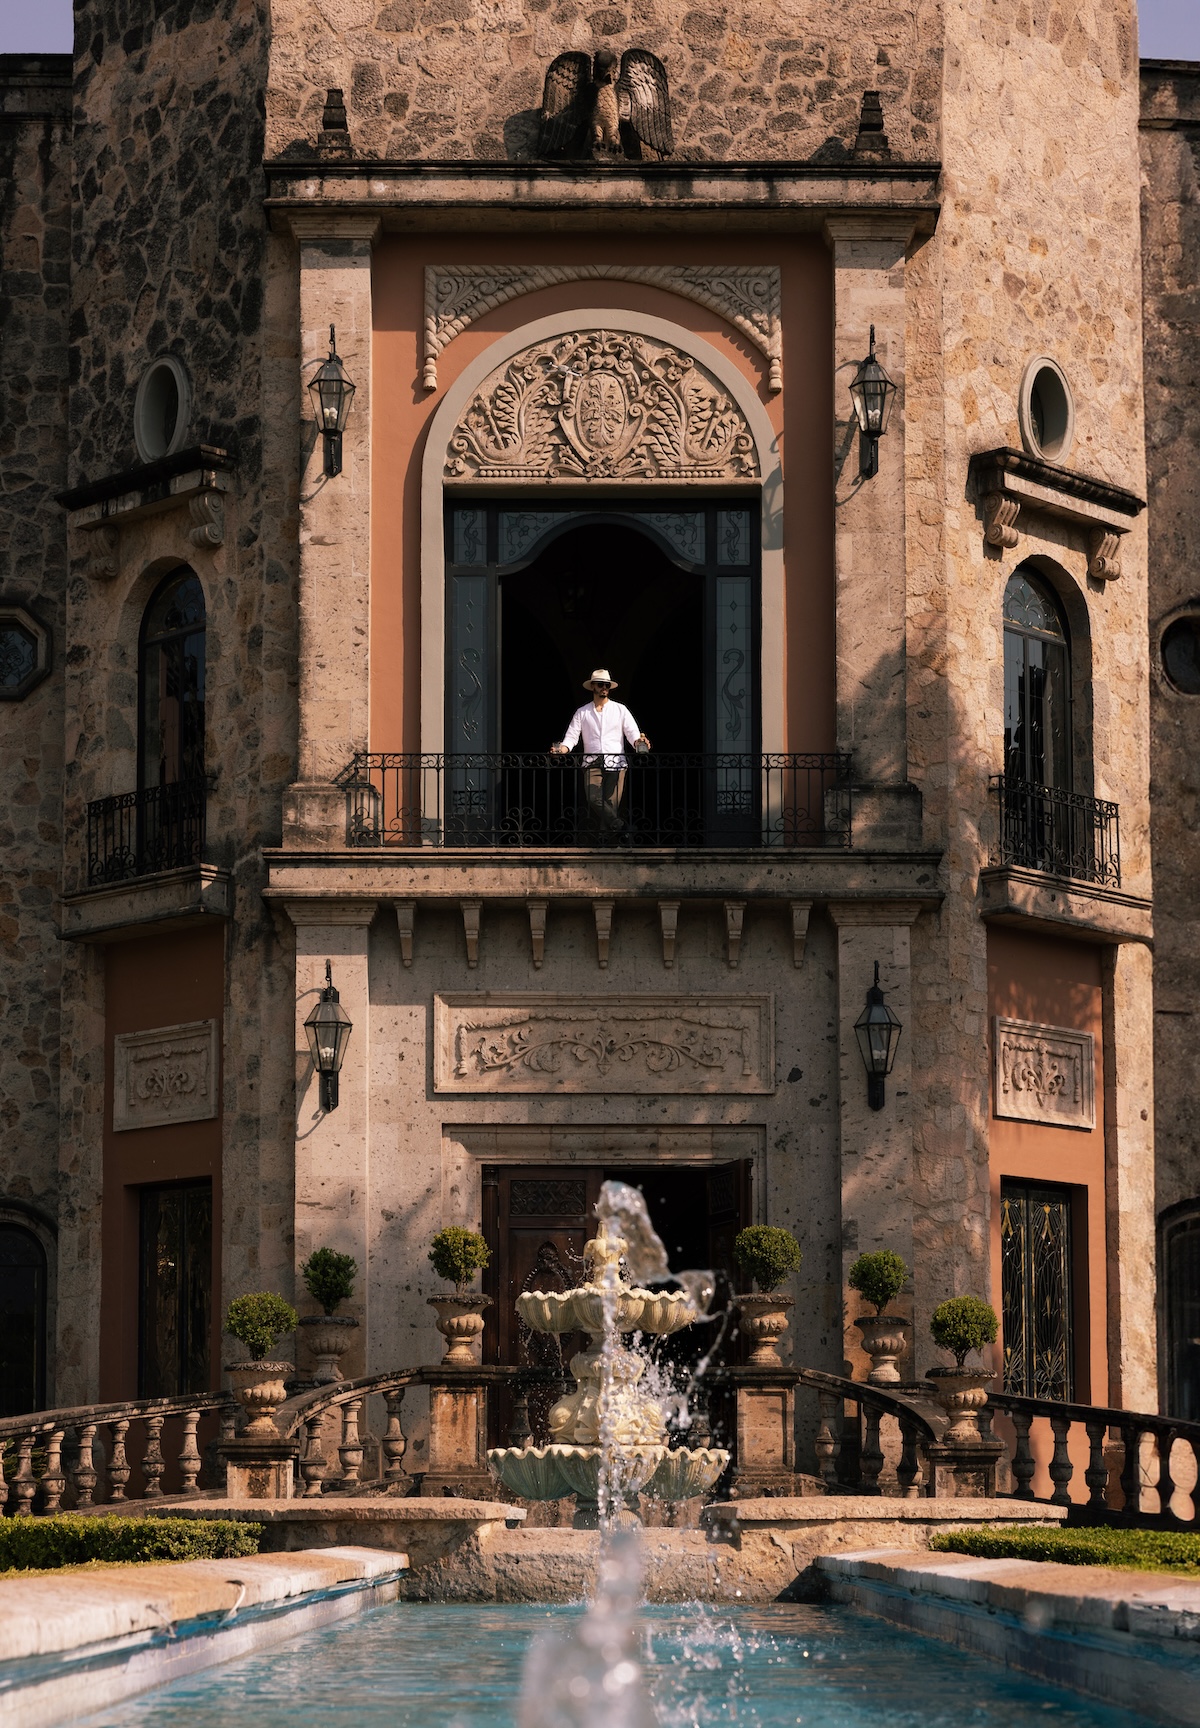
(878, 1032)
(872, 393)
(332, 393)
(328, 1028)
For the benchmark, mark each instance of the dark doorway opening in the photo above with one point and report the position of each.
(22, 1321)
(176, 1290)
(536, 1220)
(602, 595)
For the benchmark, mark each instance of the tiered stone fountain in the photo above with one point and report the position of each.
(608, 1438)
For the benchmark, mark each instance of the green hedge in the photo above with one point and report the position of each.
(1092, 1545)
(28, 1544)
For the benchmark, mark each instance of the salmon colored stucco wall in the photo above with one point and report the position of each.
(157, 981)
(402, 410)
(1056, 983)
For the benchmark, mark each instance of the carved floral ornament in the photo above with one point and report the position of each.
(165, 1075)
(746, 296)
(1044, 1074)
(602, 405)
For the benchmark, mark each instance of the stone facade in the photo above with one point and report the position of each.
(701, 1005)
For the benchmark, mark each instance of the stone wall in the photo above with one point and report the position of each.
(762, 80)
(35, 131)
(1170, 139)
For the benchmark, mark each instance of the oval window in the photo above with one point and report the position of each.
(161, 409)
(1046, 410)
(1181, 654)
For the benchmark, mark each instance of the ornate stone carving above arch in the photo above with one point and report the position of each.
(601, 405)
(747, 296)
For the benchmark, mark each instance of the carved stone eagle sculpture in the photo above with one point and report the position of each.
(592, 108)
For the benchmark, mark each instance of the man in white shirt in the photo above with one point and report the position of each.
(605, 728)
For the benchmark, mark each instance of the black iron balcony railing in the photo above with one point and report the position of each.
(666, 800)
(1062, 833)
(138, 833)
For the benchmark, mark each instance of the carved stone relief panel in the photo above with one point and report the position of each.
(1044, 1074)
(500, 1043)
(748, 296)
(165, 1075)
(602, 405)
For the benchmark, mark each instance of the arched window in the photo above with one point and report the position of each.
(172, 683)
(1180, 1296)
(1037, 684)
(22, 1321)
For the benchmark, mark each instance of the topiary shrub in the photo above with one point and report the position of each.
(878, 1278)
(963, 1323)
(457, 1254)
(329, 1277)
(766, 1254)
(258, 1320)
(73, 1540)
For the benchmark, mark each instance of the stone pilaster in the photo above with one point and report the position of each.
(335, 526)
(1129, 1183)
(333, 1148)
(869, 289)
(876, 1146)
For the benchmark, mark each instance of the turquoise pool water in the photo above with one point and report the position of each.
(410, 1664)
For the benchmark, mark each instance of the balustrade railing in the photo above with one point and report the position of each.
(139, 833)
(849, 1440)
(105, 1453)
(1062, 833)
(668, 799)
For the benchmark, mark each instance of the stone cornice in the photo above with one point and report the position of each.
(1009, 483)
(145, 481)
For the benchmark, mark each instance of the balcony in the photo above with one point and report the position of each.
(1055, 832)
(670, 800)
(145, 833)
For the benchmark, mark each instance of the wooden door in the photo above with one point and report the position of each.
(531, 1210)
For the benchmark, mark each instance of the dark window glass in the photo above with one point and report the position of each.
(1037, 685)
(176, 1290)
(1035, 1278)
(22, 1321)
(172, 683)
(1181, 654)
(1181, 1304)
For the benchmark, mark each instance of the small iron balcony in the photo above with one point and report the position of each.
(1061, 833)
(140, 833)
(666, 800)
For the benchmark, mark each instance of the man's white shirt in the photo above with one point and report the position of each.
(604, 732)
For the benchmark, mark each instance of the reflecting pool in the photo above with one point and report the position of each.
(762, 1667)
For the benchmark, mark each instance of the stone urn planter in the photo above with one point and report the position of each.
(329, 1336)
(962, 1394)
(764, 1320)
(460, 1322)
(884, 1336)
(259, 1388)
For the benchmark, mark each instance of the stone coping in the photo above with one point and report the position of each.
(350, 1508)
(45, 1615)
(1130, 1638)
(840, 1507)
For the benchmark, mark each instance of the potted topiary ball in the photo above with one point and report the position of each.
(456, 1255)
(767, 1255)
(960, 1325)
(258, 1321)
(879, 1279)
(329, 1279)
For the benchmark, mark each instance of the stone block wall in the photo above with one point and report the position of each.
(35, 134)
(462, 79)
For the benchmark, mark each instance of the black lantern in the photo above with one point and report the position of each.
(332, 392)
(872, 393)
(328, 1030)
(878, 1032)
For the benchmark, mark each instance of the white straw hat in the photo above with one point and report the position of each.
(599, 676)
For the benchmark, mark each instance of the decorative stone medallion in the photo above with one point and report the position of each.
(1044, 1074)
(602, 405)
(499, 1043)
(165, 1075)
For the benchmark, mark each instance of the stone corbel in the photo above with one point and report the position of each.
(668, 918)
(800, 912)
(735, 911)
(602, 911)
(537, 930)
(470, 915)
(207, 511)
(404, 920)
(1103, 562)
(1000, 519)
(102, 559)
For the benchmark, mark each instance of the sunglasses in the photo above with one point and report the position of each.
(598, 685)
